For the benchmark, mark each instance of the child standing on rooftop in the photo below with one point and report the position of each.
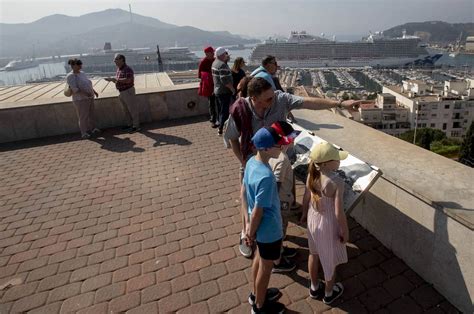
(283, 172)
(327, 224)
(263, 221)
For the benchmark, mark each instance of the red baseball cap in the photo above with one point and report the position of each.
(286, 132)
(209, 49)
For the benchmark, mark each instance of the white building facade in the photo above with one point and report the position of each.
(386, 115)
(450, 110)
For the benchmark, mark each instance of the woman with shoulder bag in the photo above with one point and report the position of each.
(82, 98)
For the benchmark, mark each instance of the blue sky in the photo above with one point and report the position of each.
(260, 17)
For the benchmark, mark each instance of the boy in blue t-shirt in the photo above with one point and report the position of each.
(264, 225)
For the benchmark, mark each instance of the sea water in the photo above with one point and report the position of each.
(42, 71)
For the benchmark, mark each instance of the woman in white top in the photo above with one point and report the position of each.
(82, 98)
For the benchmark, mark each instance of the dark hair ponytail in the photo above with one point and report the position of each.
(74, 61)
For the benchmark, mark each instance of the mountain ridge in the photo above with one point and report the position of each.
(60, 34)
(437, 32)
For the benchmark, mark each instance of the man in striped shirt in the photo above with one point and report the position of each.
(124, 82)
(223, 85)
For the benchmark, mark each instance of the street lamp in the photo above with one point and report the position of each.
(416, 121)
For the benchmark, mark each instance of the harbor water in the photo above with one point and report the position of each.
(56, 70)
(38, 73)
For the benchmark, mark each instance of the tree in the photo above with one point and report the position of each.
(447, 147)
(425, 140)
(466, 155)
(435, 141)
(424, 136)
(372, 96)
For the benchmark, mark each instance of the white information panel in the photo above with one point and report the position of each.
(358, 175)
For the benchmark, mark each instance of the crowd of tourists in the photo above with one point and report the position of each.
(250, 112)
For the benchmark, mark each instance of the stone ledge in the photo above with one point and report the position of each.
(50, 117)
(436, 180)
(60, 100)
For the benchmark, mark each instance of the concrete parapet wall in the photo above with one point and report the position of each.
(422, 208)
(436, 246)
(35, 119)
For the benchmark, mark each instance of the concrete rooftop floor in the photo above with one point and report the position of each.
(149, 223)
(54, 90)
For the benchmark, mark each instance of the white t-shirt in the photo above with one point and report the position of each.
(79, 82)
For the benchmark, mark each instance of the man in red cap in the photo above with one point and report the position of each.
(206, 86)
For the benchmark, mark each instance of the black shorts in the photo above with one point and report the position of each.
(270, 251)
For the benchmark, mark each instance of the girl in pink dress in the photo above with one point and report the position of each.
(327, 224)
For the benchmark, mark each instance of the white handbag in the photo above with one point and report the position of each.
(67, 90)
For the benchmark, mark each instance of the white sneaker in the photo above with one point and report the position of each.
(244, 249)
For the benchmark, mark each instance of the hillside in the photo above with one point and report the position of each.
(60, 34)
(434, 31)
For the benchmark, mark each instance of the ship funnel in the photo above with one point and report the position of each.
(107, 46)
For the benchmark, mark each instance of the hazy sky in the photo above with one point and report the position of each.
(259, 17)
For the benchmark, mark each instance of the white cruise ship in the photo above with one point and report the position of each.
(21, 65)
(302, 50)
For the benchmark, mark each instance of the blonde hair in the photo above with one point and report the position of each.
(314, 175)
(238, 63)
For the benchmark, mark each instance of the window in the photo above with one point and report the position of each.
(455, 134)
(432, 125)
(433, 115)
(446, 106)
(444, 126)
(456, 125)
(435, 106)
(457, 106)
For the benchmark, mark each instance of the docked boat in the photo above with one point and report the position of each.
(303, 50)
(21, 65)
(140, 59)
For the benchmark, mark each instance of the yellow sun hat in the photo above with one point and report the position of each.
(324, 151)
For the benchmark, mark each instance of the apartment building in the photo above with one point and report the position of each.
(449, 108)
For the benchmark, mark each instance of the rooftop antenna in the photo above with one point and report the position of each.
(130, 10)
